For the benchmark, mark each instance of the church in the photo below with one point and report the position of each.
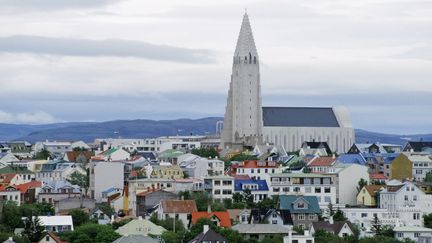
(247, 123)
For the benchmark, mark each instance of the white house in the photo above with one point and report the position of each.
(104, 175)
(403, 194)
(57, 223)
(422, 164)
(178, 209)
(219, 187)
(113, 154)
(7, 158)
(198, 167)
(411, 232)
(10, 193)
(259, 170)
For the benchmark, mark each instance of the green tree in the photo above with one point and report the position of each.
(243, 157)
(79, 217)
(248, 198)
(428, 177)
(80, 180)
(268, 203)
(217, 207)
(33, 229)
(205, 152)
(91, 233)
(80, 149)
(11, 217)
(42, 155)
(202, 200)
(376, 225)
(228, 203)
(106, 209)
(339, 216)
(427, 219)
(185, 195)
(173, 237)
(237, 197)
(361, 183)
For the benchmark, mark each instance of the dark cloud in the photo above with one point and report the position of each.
(95, 48)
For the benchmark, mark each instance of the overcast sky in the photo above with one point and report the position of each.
(98, 60)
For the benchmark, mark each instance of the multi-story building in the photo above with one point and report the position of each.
(258, 170)
(321, 186)
(258, 188)
(104, 175)
(198, 167)
(403, 194)
(422, 164)
(304, 209)
(219, 187)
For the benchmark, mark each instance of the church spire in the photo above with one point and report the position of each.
(245, 41)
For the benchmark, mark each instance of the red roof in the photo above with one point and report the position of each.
(256, 164)
(29, 185)
(179, 206)
(241, 177)
(223, 217)
(6, 178)
(322, 161)
(377, 176)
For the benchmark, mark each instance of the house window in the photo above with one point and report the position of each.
(406, 197)
(415, 197)
(327, 199)
(400, 235)
(364, 215)
(275, 189)
(311, 216)
(274, 221)
(300, 205)
(274, 215)
(286, 189)
(407, 188)
(217, 183)
(416, 235)
(317, 189)
(416, 216)
(296, 189)
(301, 216)
(327, 189)
(217, 192)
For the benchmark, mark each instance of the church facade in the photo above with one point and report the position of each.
(247, 123)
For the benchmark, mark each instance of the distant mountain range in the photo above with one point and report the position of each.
(88, 131)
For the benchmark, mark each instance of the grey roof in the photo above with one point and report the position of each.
(135, 239)
(299, 117)
(260, 229)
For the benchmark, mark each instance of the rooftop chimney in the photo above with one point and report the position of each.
(205, 228)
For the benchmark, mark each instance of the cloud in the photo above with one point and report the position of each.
(98, 48)
(37, 117)
(7, 5)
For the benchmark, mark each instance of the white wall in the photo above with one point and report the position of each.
(107, 175)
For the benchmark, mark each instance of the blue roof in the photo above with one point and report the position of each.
(262, 185)
(287, 202)
(109, 190)
(352, 159)
(299, 117)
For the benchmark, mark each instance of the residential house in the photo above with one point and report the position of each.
(170, 155)
(401, 168)
(136, 239)
(53, 191)
(50, 237)
(422, 164)
(346, 178)
(321, 165)
(209, 236)
(178, 209)
(304, 209)
(112, 154)
(341, 229)
(260, 231)
(147, 200)
(377, 178)
(417, 146)
(368, 195)
(220, 187)
(100, 216)
(25, 175)
(258, 170)
(21, 149)
(306, 237)
(167, 172)
(321, 186)
(411, 232)
(58, 170)
(258, 188)
(7, 158)
(10, 193)
(402, 194)
(220, 219)
(140, 226)
(280, 217)
(315, 148)
(365, 217)
(57, 223)
(29, 191)
(56, 148)
(82, 157)
(374, 148)
(104, 175)
(198, 167)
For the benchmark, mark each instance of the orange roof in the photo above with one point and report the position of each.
(322, 161)
(6, 178)
(372, 189)
(56, 238)
(223, 217)
(145, 193)
(72, 155)
(377, 176)
(179, 206)
(29, 185)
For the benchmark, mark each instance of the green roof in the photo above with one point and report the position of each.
(287, 202)
(170, 153)
(110, 151)
(16, 169)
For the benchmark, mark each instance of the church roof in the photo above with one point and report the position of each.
(245, 41)
(299, 117)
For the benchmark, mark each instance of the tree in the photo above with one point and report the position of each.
(42, 155)
(243, 157)
(79, 217)
(376, 225)
(91, 233)
(80, 149)
(205, 152)
(202, 200)
(237, 197)
(217, 207)
(428, 177)
(248, 198)
(268, 203)
(185, 195)
(80, 180)
(11, 216)
(427, 218)
(227, 203)
(362, 182)
(339, 216)
(33, 229)
(107, 209)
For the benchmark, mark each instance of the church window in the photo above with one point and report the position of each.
(254, 60)
(250, 58)
(245, 61)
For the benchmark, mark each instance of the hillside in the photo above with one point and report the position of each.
(149, 129)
